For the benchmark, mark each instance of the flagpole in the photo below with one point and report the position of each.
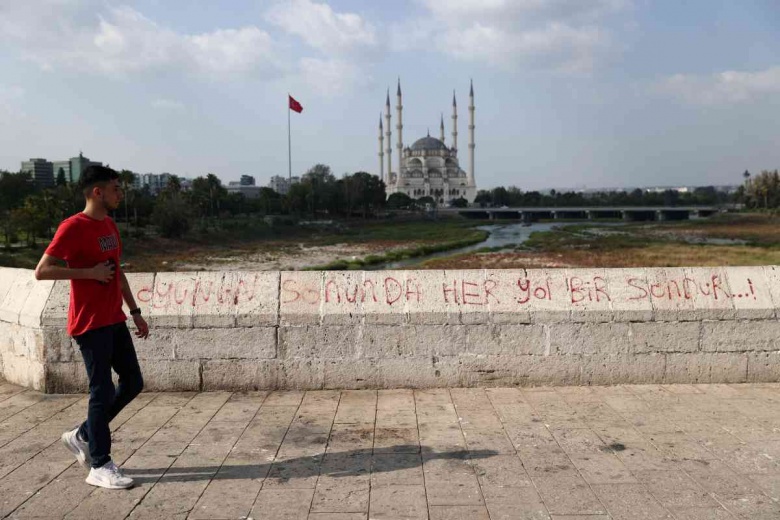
(289, 145)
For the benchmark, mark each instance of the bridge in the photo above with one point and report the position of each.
(626, 213)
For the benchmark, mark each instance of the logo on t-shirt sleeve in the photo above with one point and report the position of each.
(108, 243)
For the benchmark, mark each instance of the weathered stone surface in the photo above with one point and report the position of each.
(712, 298)
(740, 336)
(176, 376)
(589, 338)
(763, 367)
(418, 328)
(750, 292)
(465, 297)
(221, 343)
(630, 298)
(670, 292)
(616, 369)
(55, 313)
(21, 285)
(663, 336)
(170, 300)
(239, 375)
(706, 367)
(589, 294)
(506, 339)
(315, 342)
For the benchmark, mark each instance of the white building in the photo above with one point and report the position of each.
(428, 167)
(281, 185)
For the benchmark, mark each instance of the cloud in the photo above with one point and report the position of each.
(168, 105)
(118, 41)
(567, 35)
(321, 27)
(329, 77)
(723, 88)
(10, 101)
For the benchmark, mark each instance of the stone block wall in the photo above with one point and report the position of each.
(414, 329)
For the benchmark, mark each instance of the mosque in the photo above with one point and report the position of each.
(429, 167)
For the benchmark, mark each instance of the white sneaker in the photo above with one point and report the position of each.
(78, 447)
(109, 477)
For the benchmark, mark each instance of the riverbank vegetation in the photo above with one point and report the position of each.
(732, 239)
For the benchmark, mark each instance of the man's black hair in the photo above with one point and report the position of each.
(94, 175)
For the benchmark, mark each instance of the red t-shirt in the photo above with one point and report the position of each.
(85, 242)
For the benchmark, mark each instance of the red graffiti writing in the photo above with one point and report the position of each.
(540, 290)
(390, 291)
(683, 289)
(197, 293)
(469, 293)
(592, 291)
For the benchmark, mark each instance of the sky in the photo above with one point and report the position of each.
(568, 93)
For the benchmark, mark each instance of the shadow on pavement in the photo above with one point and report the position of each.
(334, 464)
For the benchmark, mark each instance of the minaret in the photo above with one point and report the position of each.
(454, 124)
(381, 150)
(400, 127)
(442, 128)
(389, 144)
(471, 135)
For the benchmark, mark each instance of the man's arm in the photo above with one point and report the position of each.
(50, 268)
(127, 295)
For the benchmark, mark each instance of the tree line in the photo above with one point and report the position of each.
(28, 211)
(757, 192)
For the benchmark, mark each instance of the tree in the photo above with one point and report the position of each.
(298, 197)
(322, 187)
(364, 191)
(126, 178)
(206, 194)
(500, 196)
(483, 198)
(173, 216)
(269, 201)
(460, 203)
(61, 180)
(422, 201)
(399, 200)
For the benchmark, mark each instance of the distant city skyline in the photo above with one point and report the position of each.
(569, 92)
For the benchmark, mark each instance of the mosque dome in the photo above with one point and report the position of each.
(428, 143)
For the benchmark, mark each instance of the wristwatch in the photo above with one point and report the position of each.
(136, 311)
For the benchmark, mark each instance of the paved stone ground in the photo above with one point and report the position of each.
(623, 452)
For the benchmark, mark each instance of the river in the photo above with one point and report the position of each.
(500, 235)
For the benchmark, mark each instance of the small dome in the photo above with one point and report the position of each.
(428, 143)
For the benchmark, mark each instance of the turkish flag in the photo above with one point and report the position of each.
(294, 105)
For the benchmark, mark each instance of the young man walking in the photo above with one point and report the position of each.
(89, 244)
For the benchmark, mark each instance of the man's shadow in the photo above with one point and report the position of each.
(334, 464)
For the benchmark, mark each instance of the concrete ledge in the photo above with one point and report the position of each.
(416, 329)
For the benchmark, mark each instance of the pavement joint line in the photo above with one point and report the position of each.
(177, 457)
(325, 450)
(46, 446)
(661, 407)
(579, 473)
(503, 428)
(648, 439)
(195, 394)
(33, 392)
(712, 495)
(246, 426)
(35, 424)
(19, 390)
(32, 495)
(271, 467)
(468, 450)
(419, 442)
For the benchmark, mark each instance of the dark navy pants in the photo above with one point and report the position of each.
(103, 349)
